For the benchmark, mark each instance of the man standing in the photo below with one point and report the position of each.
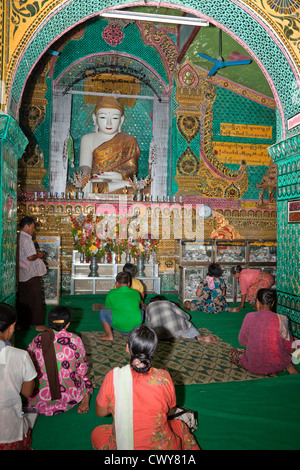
(31, 309)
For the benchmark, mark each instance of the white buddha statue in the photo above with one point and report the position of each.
(108, 153)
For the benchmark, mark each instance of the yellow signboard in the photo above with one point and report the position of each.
(230, 152)
(246, 131)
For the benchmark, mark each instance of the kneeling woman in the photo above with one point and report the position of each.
(251, 280)
(140, 398)
(267, 339)
(60, 360)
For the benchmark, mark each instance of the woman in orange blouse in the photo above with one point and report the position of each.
(140, 398)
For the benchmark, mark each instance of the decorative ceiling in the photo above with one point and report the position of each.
(189, 42)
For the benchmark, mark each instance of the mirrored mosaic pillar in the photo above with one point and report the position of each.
(12, 145)
(286, 155)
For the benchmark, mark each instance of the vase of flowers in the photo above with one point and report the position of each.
(116, 245)
(141, 249)
(79, 180)
(86, 241)
(139, 185)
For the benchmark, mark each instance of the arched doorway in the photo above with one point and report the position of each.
(244, 24)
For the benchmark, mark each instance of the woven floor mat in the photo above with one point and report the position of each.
(188, 362)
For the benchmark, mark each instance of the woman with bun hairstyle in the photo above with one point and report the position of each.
(140, 398)
(267, 339)
(251, 280)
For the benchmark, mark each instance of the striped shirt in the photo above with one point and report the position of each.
(29, 269)
(166, 318)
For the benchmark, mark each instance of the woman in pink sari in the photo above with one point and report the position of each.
(140, 398)
(251, 280)
(60, 360)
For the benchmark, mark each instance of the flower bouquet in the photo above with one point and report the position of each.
(116, 244)
(80, 179)
(141, 247)
(139, 184)
(85, 238)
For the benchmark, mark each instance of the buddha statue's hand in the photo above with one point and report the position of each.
(108, 176)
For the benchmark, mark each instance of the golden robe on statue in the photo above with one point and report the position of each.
(119, 154)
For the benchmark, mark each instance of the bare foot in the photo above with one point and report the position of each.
(84, 405)
(233, 309)
(291, 369)
(206, 339)
(106, 338)
(187, 305)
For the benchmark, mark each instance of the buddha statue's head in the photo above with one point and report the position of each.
(108, 116)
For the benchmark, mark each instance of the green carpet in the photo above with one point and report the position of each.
(261, 414)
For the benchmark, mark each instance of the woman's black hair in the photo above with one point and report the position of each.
(130, 268)
(142, 343)
(236, 269)
(214, 270)
(266, 297)
(8, 316)
(123, 278)
(59, 317)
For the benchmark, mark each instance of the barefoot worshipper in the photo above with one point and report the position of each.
(169, 321)
(31, 267)
(266, 337)
(60, 359)
(122, 310)
(211, 293)
(140, 398)
(251, 280)
(135, 283)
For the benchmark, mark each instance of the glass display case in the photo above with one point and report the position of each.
(227, 253)
(190, 276)
(231, 251)
(232, 286)
(262, 252)
(192, 251)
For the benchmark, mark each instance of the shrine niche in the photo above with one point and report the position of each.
(190, 154)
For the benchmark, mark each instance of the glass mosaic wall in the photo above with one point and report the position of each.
(287, 156)
(12, 144)
(231, 108)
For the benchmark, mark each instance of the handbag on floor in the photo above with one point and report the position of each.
(189, 417)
